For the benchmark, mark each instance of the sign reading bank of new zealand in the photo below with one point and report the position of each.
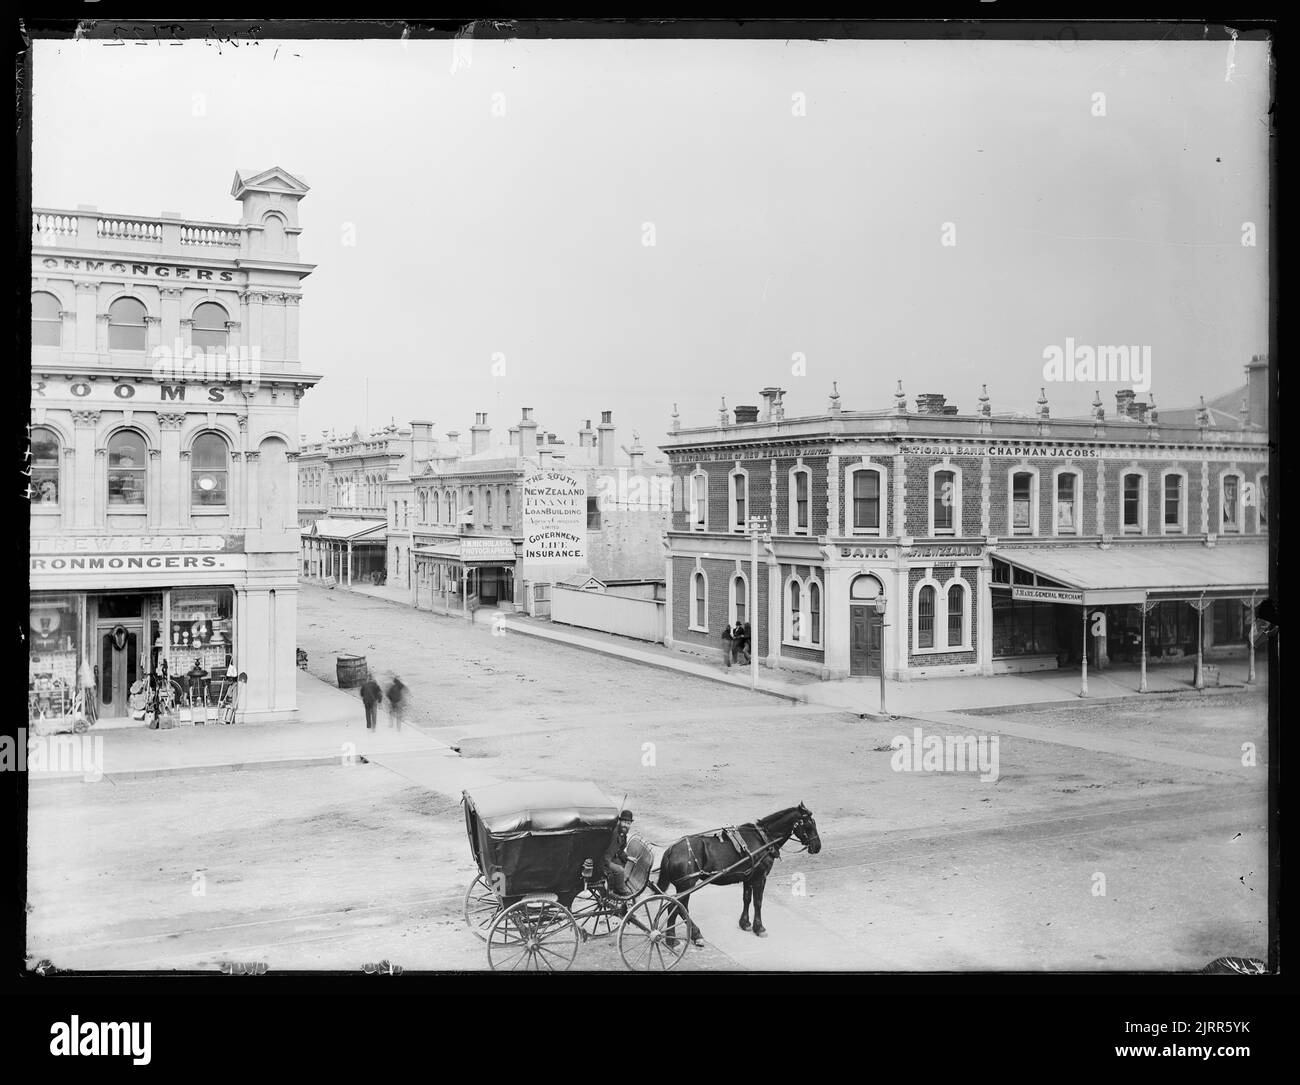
(554, 519)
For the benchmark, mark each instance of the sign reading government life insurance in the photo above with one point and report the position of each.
(555, 519)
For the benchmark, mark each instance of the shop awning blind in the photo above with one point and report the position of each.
(347, 529)
(1129, 574)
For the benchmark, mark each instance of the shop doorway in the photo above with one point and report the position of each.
(865, 627)
(118, 664)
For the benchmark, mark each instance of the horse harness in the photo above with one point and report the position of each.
(733, 836)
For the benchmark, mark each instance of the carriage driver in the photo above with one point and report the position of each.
(616, 855)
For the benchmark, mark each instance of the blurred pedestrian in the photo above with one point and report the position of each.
(744, 644)
(397, 701)
(371, 696)
(728, 646)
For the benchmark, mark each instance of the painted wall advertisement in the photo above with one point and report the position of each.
(554, 519)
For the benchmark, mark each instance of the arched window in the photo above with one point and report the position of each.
(699, 501)
(943, 498)
(1261, 503)
(487, 508)
(699, 601)
(47, 321)
(126, 325)
(1134, 485)
(956, 615)
(865, 496)
(45, 466)
(739, 599)
(208, 470)
(738, 485)
(799, 515)
(925, 617)
(1024, 500)
(1173, 519)
(505, 516)
(1230, 501)
(815, 612)
(424, 506)
(126, 469)
(273, 233)
(210, 332)
(796, 631)
(1069, 502)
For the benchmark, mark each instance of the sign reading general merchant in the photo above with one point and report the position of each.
(554, 519)
(1048, 595)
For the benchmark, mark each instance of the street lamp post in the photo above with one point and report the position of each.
(880, 604)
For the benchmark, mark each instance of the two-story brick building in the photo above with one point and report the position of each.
(989, 537)
(165, 387)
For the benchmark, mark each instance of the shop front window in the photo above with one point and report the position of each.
(1022, 628)
(45, 466)
(126, 469)
(200, 638)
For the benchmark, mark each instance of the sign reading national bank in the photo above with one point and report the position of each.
(554, 519)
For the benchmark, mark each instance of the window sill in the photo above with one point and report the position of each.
(942, 650)
(44, 509)
(126, 510)
(697, 629)
(803, 644)
(210, 510)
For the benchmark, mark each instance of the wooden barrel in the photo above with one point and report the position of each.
(351, 671)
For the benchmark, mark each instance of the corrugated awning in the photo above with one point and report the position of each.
(1132, 574)
(347, 529)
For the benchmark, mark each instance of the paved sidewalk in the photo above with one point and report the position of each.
(331, 731)
(862, 695)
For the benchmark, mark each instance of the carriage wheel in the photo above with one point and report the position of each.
(533, 936)
(481, 907)
(654, 934)
(595, 915)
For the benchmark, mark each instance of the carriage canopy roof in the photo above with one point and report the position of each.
(542, 806)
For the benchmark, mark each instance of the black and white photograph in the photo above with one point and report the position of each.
(631, 502)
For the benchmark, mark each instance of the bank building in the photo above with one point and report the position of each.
(164, 418)
(927, 541)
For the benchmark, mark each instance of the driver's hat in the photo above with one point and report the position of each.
(626, 815)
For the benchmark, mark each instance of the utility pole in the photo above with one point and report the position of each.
(755, 524)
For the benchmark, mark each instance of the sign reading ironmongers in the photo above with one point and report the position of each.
(1048, 595)
(555, 519)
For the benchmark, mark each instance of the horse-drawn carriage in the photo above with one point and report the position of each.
(558, 865)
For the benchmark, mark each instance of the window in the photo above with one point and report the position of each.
(126, 325)
(925, 617)
(956, 615)
(1134, 484)
(593, 513)
(126, 468)
(1173, 498)
(699, 501)
(1023, 520)
(796, 631)
(815, 612)
(866, 500)
(1261, 501)
(208, 471)
(487, 508)
(424, 507)
(943, 499)
(1230, 499)
(1067, 507)
(739, 598)
(210, 331)
(45, 466)
(699, 601)
(738, 485)
(800, 524)
(505, 516)
(47, 321)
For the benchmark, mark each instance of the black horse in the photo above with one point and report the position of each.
(694, 859)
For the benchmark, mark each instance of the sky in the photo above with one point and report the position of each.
(581, 226)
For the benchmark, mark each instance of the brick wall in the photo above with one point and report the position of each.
(719, 574)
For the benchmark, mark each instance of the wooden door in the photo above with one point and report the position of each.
(119, 666)
(864, 641)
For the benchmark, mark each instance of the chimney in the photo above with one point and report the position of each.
(605, 440)
(770, 396)
(514, 437)
(453, 435)
(746, 414)
(1257, 390)
(1140, 410)
(421, 442)
(1124, 399)
(586, 435)
(527, 433)
(552, 439)
(479, 433)
(930, 403)
(544, 457)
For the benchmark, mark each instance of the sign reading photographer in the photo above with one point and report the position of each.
(555, 519)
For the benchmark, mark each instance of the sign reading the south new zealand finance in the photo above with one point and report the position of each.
(554, 519)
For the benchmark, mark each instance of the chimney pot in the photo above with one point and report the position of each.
(746, 414)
